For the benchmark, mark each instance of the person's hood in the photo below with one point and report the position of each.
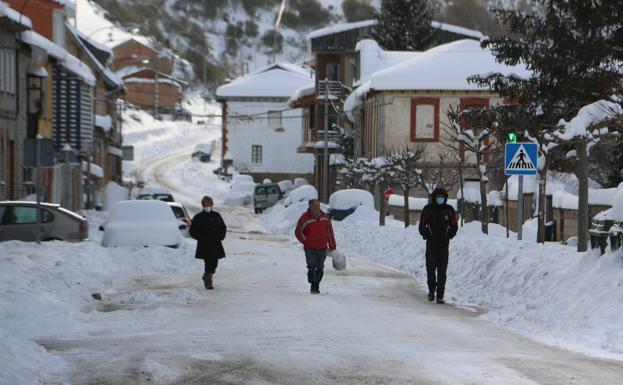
(439, 191)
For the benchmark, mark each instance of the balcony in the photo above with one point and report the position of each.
(333, 88)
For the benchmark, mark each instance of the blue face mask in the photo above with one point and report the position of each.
(440, 200)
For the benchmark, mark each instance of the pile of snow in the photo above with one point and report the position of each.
(141, 222)
(206, 148)
(114, 193)
(301, 194)
(285, 186)
(298, 182)
(350, 198)
(416, 204)
(44, 291)
(242, 189)
(267, 181)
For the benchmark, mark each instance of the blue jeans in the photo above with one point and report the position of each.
(315, 265)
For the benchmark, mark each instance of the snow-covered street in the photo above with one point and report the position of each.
(260, 326)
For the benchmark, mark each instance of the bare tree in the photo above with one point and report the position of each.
(469, 130)
(402, 167)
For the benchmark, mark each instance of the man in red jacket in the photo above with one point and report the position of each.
(315, 232)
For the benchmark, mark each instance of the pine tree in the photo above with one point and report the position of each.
(404, 25)
(574, 51)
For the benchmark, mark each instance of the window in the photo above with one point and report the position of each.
(23, 215)
(8, 81)
(332, 71)
(424, 120)
(2, 211)
(274, 119)
(58, 31)
(256, 154)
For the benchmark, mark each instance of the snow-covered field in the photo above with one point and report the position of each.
(549, 293)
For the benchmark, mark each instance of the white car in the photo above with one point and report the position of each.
(141, 223)
(183, 219)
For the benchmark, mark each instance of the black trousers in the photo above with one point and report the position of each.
(315, 265)
(436, 266)
(210, 265)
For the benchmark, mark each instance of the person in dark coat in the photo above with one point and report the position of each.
(315, 232)
(438, 225)
(209, 229)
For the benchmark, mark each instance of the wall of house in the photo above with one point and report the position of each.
(40, 14)
(132, 53)
(279, 154)
(144, 94)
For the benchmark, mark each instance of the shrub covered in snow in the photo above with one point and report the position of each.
(286, 186)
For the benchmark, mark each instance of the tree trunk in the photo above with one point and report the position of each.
(381, 204)
(483, 196)
(406, 206)
(461, 207)
(540, 235)
(582, 174)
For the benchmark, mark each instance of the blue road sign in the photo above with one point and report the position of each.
(520, 159)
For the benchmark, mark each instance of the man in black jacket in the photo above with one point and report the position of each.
(438, 225)
(209, 229)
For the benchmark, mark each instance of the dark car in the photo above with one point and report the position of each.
(18, 221)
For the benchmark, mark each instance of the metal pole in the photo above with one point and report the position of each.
(520, 208)
(506, 209)
(157, 101)
(38, 188)
(325, 187)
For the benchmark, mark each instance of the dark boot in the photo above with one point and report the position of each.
(440, 301)
(315, 288)
(207, 281)
(431, 296)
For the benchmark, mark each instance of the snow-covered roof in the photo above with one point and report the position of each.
(276, 80)
(339, 28)
(366, 23)
(10, 13)
(373, 59)
(67, 60)
(445, 67)
(103, 121)
(109, 76)
(153, 81)
(306, 90)
(458, 30)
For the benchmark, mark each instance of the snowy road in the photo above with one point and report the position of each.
(370, 325)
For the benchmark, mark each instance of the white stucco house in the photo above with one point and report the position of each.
(261, 132)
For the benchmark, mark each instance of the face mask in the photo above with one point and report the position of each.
(440, 200)
(207, 209)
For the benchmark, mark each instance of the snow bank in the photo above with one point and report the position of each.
(44, 290)
(583, 304)
(349, 198)
(298, 182)
(301, 194)
(285, 186)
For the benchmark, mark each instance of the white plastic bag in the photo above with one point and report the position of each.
(338, 260)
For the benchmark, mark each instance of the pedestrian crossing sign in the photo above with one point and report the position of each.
(520, 159)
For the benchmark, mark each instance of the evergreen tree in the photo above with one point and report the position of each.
(404, 25)
(574, 52)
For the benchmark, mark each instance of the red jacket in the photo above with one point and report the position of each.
(315, 233)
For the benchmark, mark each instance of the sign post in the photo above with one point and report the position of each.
(38, 152)
(520, 159)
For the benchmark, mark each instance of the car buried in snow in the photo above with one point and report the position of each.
(141, 223)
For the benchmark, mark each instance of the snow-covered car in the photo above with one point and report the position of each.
(285, 186)
(18, 221)
(301, 194)
(155, 193)
(141, 223)
(203, 152)
(183, 219)
(345, 202)
(242, 190)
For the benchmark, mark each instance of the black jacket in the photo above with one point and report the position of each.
(209, 230)
(438, 224)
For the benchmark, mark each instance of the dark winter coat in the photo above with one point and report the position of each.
(438, 223)
(209, 230)
(315, 233)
